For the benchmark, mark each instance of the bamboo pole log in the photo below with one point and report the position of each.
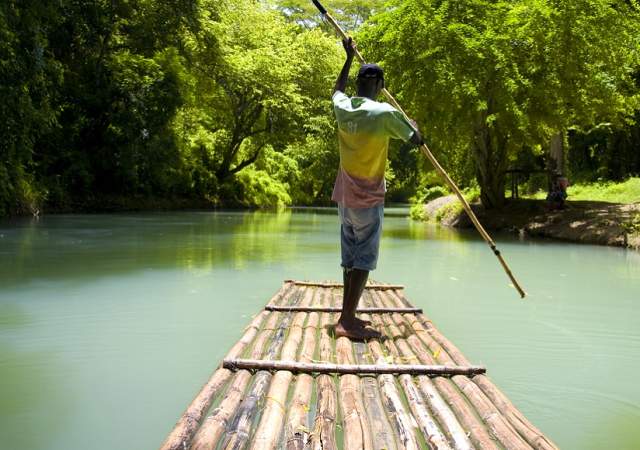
(357, 434)
(268, 431)
(351, 369)
(532, 435)
(296, 432)
(498, 425)
(381, 432)
(441, 410)
(433, 435)
(402, 422)
(339, 285)
(327, 322)
(216, 423)
(182, 433)
(336, 309)
(239, 431)
(516, 419)
(323, 436)
(464, 413)
(520, 423)
(467, 416)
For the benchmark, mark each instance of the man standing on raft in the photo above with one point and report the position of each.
(364, 129)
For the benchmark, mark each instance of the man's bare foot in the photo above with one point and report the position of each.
(356, 332)
(362, 323)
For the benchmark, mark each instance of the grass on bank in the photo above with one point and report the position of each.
(418, 212)
(605, 191)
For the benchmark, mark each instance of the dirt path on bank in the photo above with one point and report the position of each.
(581, 221)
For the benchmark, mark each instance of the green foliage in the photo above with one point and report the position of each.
(490, 79)
(266, 90)
(605, 152)
(447, 210)
(625, 192)
(455, 208)
(417, 212)
(258, 188)
(162, 98)
(29, 78)
(434, 192)
(228, 101)
(317, 162)
(350, 14)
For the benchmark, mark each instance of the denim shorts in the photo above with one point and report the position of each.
(360, 232)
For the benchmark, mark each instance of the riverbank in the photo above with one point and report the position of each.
(116, 204)
(589, 222)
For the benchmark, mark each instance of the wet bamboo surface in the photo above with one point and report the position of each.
(253, 407)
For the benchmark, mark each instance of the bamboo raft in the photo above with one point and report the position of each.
(288, 383)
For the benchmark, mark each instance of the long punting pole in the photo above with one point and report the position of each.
(434, 161)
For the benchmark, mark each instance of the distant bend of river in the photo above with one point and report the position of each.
(110, 324)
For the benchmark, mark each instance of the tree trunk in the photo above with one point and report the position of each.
(491, 160)
(556, 152)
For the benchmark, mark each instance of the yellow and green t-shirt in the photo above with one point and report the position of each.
(364, 129)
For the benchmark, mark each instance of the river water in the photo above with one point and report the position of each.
(109, 324)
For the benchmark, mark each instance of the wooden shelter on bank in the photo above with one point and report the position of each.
(289, 384)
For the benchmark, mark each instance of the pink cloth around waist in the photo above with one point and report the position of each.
(354, 192)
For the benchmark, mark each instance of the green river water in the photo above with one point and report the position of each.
(110, 324)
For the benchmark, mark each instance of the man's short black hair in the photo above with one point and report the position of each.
(370, 71)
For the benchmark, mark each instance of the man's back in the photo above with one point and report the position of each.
(364, 129)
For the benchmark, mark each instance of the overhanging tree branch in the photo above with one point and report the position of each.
(247, 162)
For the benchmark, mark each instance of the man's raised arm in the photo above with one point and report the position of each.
(350, 49)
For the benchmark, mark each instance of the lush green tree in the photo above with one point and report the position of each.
(89, 89)
(121, 76)
(350, 14)
(29, 79)
(494, 78)
(266, 90)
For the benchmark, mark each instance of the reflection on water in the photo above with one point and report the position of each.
(97, 246)
(109, 320)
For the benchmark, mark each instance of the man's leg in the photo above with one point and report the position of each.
(346, 318)
(357, 228)
(349, 325)
(349, 305)
(357, 282)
